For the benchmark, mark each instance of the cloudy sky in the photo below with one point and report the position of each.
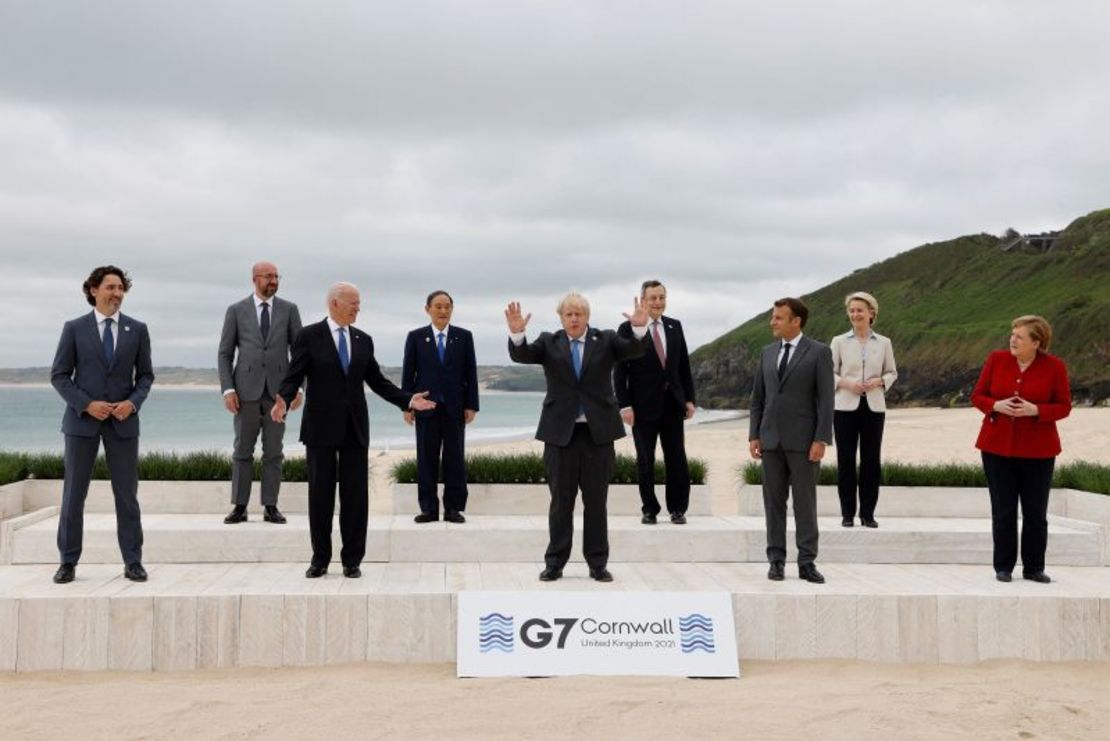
(739, 151)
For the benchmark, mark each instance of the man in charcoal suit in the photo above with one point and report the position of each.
(102, 369)
(337, 359)
(656, 395)
(578, 423)
(790, 427)
(253, 358)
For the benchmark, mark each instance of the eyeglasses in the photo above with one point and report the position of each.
(268, 276)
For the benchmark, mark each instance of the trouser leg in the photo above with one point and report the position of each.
(122, 456)
(776, 482)
(672, 436)
(562, 465)
(645, 433)
(454, 463)
(322, 464)
(80, 455)
(354, 501)
(429, 439)
(1003, 486)
(870, 461)
(803, 488)
(596, 470)
(846, 430)
(1036, 483)
(272, 453)
(248, 423)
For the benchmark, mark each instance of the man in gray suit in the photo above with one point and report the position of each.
(790, 427)
(261, 328)
(103, 371)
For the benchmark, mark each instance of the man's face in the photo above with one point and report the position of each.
(440, 310)
(344, 307)
(108, 295)
(265, 279)
(784, 324)
(574, 318)
(655, 301)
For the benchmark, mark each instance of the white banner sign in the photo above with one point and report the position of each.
(540, 634)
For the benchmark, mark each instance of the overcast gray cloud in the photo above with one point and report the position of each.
(738, 151)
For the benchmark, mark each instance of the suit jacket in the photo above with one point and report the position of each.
(81, 375)
(1045, 383)
(645, 385)
(261, 364)
(452, 383)
(798, 410)
(593, 391)
(850, 363)
(335, 401)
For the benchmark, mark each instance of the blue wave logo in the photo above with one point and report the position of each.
(696, 633)
(495, 633)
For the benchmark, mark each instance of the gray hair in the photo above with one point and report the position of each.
(341, 287)
(574, 298)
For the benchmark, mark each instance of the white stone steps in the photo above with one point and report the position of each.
(490, 539)
(534, 499)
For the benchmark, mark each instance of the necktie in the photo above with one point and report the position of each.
(576, 356)
(440, 347)
(109, 342)
(264, 322)
(785, 359)
(655, 338)
(344, 356)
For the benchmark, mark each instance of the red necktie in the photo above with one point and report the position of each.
(658, 344)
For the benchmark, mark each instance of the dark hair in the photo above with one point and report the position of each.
(797, 308)
(433, 294)
(651, 284)
(97, 276)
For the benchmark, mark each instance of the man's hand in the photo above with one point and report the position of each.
(297, 401)
(122, 410)
(469, 415)
(421, 403)
(816, 451)
(99, 410)
(517, 322)
(754, 449)
(278, 412)
(410, 417)
(628, 416)
(639, 316)
(690, 410)
(231, 402)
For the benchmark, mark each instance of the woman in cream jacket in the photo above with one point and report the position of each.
(863, 368)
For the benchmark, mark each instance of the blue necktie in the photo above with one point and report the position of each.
(344, 356)
(441, 348)
(576, 356)
(109, 342)
(264, 322)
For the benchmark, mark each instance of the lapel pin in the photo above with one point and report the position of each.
(427, 339)
(127, 328)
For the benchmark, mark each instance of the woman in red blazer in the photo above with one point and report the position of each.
(1021, 393)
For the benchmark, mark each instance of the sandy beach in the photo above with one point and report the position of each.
(790, 699)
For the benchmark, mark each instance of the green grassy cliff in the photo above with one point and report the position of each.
(945, 306)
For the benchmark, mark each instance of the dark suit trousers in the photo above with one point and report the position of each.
(786, 472)
(441, 436)
(254, 417)
(121, 455)
(670, 430)
(862, 428)
(1013, 480)
(347, 462)
(586, 465)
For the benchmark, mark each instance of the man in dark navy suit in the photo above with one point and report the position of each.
(103, 371)
(337, 359)
(656, 394)
(439, 359)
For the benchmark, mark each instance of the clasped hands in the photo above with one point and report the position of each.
(1016, 406)
(860, 388)
(101, 410)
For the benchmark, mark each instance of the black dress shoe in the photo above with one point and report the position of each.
(847, 522)
(65, 573)
(601, 574)
(426, 517)
(352, 572)
(869, 523)
(550, 574)
(678, 518)
(274, 515)
(1003, 576)
(135, 572)
(777, 572)
(810, 573)
(239, 514)
(1038, 576)
(648, 519)
(455, 517)
(315, 572)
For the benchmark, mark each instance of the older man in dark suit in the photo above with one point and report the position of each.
(790, 427)
(578, 423)
(253, 358)
(337, 359)
(103, 371)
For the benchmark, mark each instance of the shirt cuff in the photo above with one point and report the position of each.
(517, 338)
(640, 332)
(229, 391)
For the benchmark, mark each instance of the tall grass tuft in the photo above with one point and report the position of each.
(201, 466)
(528, 468)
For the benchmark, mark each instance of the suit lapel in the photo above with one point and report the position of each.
(562, 346)
(796, 357)
(125, 337)
(98, 341)
(591, 339)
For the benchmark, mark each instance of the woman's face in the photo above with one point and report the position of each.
(859, 313)
(1021, 344)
